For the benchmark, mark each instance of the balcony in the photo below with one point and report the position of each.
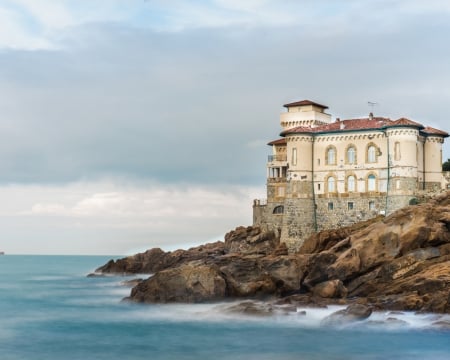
(279, 157)
(272, 180)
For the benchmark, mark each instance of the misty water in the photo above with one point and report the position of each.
(51, 310)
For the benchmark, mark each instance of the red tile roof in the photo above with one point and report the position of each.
(278, 142)
(305, 102)
(404, 121)
(359, 124)
(432, 131)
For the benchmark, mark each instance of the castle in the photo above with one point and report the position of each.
(324, 174)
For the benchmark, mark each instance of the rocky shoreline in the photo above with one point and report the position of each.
(401, 262)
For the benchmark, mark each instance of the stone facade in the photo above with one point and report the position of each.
(324, 174)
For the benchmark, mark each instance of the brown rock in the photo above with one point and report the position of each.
(156, 259)
(191, 283)
(251, 240)
(354, 312)
(250, 308)
(330, 289)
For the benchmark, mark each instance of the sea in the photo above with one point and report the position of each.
(50, 310)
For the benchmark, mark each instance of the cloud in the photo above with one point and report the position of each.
(185, 95)
(195, 106)
(27, 24)
(117, 218)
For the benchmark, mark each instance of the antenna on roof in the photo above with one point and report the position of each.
(372, 105)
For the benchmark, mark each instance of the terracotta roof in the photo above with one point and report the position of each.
(376, 123)
(278, 142)
(433, 131)
(305, 102)
(406, 122)
(342, 125)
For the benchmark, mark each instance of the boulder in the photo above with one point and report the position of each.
(330, 289)
(250, 308)
(354, 312)
(191, 283)
(251, 240)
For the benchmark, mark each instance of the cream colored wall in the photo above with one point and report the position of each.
(303, 146)
(433, 159)
(341, 170)
(420, 165)
(407, 165)
(289, 120)
(403, 151)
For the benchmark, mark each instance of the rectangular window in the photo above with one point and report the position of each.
(281, 191)
(318, 186)
(294, 156)
(350, 205)
(371, 205)
(397, 184)
(318, 161)
(330, 206)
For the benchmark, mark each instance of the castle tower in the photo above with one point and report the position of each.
(404, 168)
(299, 217)
(304, 113)
(432, 154)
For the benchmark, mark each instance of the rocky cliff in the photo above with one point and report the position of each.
(401, 262)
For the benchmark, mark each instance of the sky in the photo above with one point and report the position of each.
(132, 124)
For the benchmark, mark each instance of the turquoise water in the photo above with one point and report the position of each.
(51, 310)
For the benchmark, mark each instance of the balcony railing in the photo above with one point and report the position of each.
(279, 157)
(277, 179)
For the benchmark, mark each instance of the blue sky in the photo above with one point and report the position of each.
(123, 118)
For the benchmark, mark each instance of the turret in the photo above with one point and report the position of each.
(304, 113)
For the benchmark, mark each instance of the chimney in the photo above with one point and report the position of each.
(371, 116)
(338, 119)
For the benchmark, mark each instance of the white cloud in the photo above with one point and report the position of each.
(13, 33)
(31, 24)
(116, 218)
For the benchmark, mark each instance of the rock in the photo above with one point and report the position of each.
(354, 312)
(250, 308)
(324, 240)
(397, 322)
(317, 266)
(95, 275)
(190, 283)
(442, 324)
(131, 283)
(401, 262)
(245, 278)
(287, 271)
(330, 289)
(156, 259)
(251, 240)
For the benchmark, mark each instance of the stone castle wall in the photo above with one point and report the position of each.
(347, 211)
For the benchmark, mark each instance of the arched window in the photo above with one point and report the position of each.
(351, 183)
(351, 155)
(278, 209)
(331, 155)
(371, 183)
(331, 184)
(372, 154)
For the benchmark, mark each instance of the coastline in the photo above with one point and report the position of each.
(397, 263)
